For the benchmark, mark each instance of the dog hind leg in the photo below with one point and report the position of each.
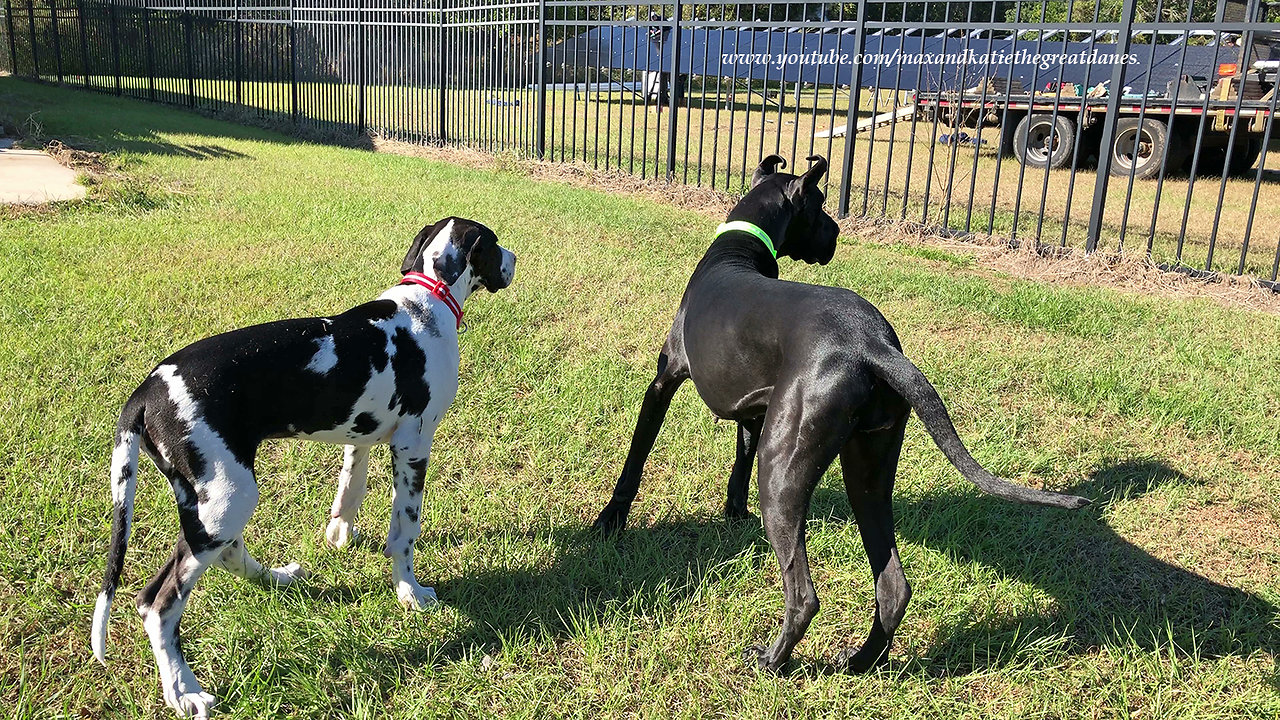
(653, 410)
(735, 504)
(235, 559)
(870, 462)
(213, 512)
(791, 464)
(353, 485)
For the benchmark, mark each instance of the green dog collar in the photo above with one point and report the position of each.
(750, 229)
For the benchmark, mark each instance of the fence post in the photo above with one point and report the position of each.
(441, 74)
(672, 87)
(1109, 129)
(84, 44)
(541, 122)
(360, 119)
(13, 42)
(239, 51)
(851, 115)
(115, 47)
(57, 38)
(293, 60)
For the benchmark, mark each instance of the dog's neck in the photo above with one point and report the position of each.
(427, 286)
(744, 247)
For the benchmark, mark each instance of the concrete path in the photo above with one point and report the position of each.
(30, 177)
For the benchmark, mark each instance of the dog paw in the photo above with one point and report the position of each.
(193, 704)
(737, 513)
(611, 520)
(757, 656)
(288, 574)
(862, 659)
(340, 533)
(416, 598)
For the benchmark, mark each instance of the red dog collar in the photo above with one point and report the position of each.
(437, 288)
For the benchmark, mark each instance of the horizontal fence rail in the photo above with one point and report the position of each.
(1144, 126)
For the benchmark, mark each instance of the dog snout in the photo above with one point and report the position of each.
(508, 266)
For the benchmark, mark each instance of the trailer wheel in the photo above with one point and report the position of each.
(1139, 149)
(1042, 140)
(1245, 154)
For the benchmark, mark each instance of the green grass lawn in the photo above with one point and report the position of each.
(1160, 600)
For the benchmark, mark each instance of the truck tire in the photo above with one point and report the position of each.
(1042, 140)
(1243, 156)
(1141, 149)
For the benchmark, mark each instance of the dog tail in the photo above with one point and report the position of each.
(124, 483)
(903, 376)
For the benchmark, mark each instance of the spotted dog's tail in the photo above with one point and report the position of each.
(902, 375)
(124, 482)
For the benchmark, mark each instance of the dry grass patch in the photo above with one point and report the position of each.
(1224, 542)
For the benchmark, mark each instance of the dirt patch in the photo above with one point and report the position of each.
(1062, 266)
(1227, 543)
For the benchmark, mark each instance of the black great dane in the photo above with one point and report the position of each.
(809, 373)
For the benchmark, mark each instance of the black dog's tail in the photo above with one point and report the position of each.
(124, 483)
(903, 376)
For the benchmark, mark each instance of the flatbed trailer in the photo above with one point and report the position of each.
(1045, 129)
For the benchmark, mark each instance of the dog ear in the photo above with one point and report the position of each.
(798, 188)
(485, 259)
(768, 166)
(419, 242)
(816, 171)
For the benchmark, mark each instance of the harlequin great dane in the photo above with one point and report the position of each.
(809, 373)
(382, 372)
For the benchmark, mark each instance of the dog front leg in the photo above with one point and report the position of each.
(410, 466)
(353, 484)
(653, 410)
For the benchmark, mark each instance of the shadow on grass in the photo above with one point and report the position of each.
(41, 111)
(1108, 592)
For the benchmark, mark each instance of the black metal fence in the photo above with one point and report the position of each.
(1142, 125)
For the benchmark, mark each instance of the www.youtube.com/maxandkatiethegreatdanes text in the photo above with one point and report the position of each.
(966, 57)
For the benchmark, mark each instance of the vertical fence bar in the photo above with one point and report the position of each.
(851, 117)
(57, 38)
(190, 54)
(84, 44)
(540, 129)
(441, 75)
(1109, 128)
(1228, 166)
(31, 25)
(13, 40)
(115, 46)
(672, 91)
(360, 71)
(151, 54)
(238, 51)
(293, 61)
